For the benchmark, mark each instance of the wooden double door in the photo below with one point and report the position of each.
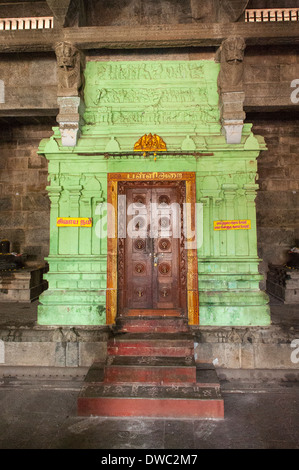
(151, 256)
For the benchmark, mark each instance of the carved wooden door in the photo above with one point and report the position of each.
(150, 257)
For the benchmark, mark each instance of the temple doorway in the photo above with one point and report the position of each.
(151, 254)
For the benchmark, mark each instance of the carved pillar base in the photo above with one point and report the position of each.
(232, 115)
(69, 133)
(69, 119)
(232, 131)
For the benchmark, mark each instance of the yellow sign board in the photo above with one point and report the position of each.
(74, 222)
(232, 224)
(155, 176)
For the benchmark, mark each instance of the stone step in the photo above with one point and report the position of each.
(206, 375)
(147, 324)
(14, 294)
(143, 400)
(23, 285)
(144, 344)
(150, 369)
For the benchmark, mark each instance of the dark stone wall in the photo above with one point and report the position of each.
(134, 12)
(24, 203)
(30, 81)
(273, 4)
(278, 197)
(268, 73)
(152, 12)
(24, 9)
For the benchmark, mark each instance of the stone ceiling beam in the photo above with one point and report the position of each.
(59, 9)
(162, 36)
(67, 13)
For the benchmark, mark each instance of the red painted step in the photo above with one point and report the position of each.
(153, 370)
(130, 344)
(151, 401)
(152, 324)
(150, 371)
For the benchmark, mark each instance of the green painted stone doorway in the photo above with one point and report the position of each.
(178, 101)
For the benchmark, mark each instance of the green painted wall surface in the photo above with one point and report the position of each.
(177, 100)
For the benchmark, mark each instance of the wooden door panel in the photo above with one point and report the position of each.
(165, 285)
(138, 264)
(151, 253)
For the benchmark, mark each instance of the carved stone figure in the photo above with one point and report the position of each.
(231, 55)
(69, 69)
(230, 84)
(70, 65)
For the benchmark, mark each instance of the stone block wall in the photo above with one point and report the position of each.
(24, 9)
(278, 197)
(24, 203)
(30, 84)
(268, 74)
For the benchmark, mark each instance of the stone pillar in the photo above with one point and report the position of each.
(69, 92)
(54, 191)
(230, 86)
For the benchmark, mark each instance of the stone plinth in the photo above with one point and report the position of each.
(22, 285)
(283, 283)
(231, 348)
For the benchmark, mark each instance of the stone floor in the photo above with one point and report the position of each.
(40, 413)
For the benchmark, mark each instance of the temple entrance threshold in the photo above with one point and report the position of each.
(150, 368)
(150, 371)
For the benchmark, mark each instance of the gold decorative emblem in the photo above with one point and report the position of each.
(150, 143)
